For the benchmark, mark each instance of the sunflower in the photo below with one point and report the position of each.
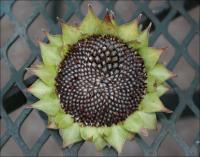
(100, 81)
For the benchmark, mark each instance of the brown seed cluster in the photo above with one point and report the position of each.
(101, 81)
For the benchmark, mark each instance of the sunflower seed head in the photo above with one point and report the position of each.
(101, 81)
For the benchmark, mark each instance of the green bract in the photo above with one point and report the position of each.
(53, 53)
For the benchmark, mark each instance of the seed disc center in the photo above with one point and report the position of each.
(101, 81)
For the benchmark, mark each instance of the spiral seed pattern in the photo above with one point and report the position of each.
(101, 81)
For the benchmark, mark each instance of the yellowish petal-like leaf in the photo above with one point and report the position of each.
(152, 103)
(107, 26)
(50, 54)
(48, 105)
(117, 137)
(63, 120)
(40, 89)
(88, 132)
(129, 32)
(160, 73)
(142, 40)
(149, 120)
(71, 34)
(161, 89)
(46, 73)
(55, 40)
(133, 123)
(90, 24)
(70, 135)
(150, 56)
(99, 142)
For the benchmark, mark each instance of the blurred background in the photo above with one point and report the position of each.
(175, 25)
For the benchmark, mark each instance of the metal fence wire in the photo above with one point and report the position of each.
(183, 101)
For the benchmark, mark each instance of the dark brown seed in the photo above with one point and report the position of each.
(101, 81)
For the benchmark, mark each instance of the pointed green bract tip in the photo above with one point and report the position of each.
(141, 41)
(150, 56)
(88, 132)
(48, 105)
(149, 120)
(161, 89)
(133, 123)
(117, 137)
(40, 89)
(108, 25)
(151, 103)
(108, 28)
(90, 25)
(113, 21)
(99, 142)
(70, 34)
(138, 120)
(160, 73)
(55, 40)
(95, 135)
(70, 135)
(50, 54)
(129, 32)
(63, 120)
(46, 74)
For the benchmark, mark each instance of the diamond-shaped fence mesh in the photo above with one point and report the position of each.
(175, 24)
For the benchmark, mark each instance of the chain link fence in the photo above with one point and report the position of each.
(175, 24)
